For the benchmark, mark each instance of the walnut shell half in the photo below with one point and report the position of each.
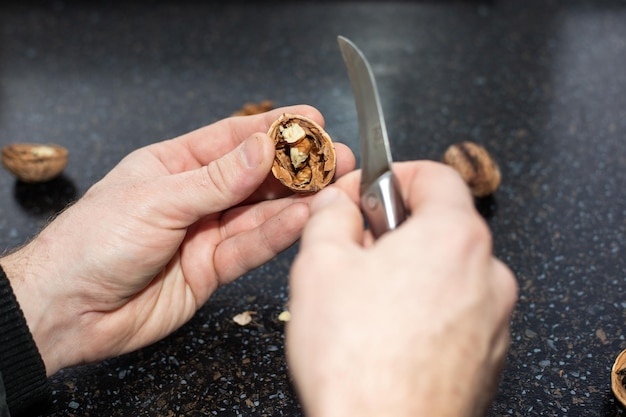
(34, 163)
(305, 155)
(618, 377)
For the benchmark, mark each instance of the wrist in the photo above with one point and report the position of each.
(364, 399)
(47, 319)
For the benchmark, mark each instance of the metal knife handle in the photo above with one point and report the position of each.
(382, 204)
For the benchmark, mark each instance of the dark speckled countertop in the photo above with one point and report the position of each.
(541, 84)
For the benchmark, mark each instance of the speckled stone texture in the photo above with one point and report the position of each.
(541, 84)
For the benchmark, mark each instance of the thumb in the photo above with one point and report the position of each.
(224, 182)
(334, 218)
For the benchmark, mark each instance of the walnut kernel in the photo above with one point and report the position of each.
(299, 153)
(244, 318)
(292, 133)
(284, 316)
(477, 168)
(305, 156)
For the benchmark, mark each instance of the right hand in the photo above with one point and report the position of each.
(415, 323)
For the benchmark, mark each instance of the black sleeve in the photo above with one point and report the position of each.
(4, 407)
(21, 368)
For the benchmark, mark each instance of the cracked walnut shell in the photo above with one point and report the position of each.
(33, 163)
(305, 156)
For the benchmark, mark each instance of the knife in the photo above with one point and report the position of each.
(381, 201)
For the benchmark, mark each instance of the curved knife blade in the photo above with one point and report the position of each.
(381, 201)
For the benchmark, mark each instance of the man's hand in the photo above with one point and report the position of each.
(133, 259)
(413, 324)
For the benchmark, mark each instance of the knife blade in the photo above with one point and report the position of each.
(381, 201)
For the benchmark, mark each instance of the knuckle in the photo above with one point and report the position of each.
(479, 231)
(216, 178)
(471, 235)
(509, 282)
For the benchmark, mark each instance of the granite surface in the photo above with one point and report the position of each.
(541, 84)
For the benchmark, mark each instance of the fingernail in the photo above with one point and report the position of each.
(252, 151)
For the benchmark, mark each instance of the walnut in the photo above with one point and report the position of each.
(477, 168)
(305, 156)
(34, 163)
(254, 108)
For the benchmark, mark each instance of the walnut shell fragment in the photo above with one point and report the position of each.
(618, 377)
(305, 155)
(477, 168)
(33, 163)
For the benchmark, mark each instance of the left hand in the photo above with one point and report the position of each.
(133, 259)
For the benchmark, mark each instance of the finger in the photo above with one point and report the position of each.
(221, 184)
(425, 186)
(241, 125)
(429, 184)
(246, 217)
(335, 219)
(252, 248)
(505, 288)
(421, 183)
(349, 184)
(215, 140)
(346, 161)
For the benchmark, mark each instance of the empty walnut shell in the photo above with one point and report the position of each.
(305, 156)
(33, 163)
(618, 378)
